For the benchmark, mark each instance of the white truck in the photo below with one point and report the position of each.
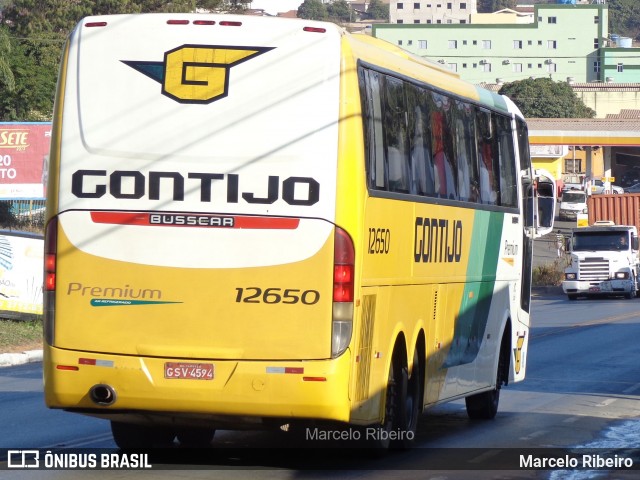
(573, 202)
(604, 261)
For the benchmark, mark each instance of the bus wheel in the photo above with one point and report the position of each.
(195, 437)
(572, 297)
(408, 422)
(402, 404)
(131, 436)
(484, 406)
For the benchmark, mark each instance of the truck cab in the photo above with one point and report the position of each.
(604, 261)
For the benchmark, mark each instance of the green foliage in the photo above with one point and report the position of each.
(490, 6)
(339, 11)
(7, 218)
(544, 98)
(17, 335)
(624, 17)
(33, 33)
(549, 275)
(378, 10)
(313, 10)
(7, 78)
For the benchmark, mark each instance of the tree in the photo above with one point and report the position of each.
(624, 17)
(33, 33)
(7, 78)
(544, 98)
(378, 10)
(313, 10)
(490, 6)
(7, 218)
(339, 10)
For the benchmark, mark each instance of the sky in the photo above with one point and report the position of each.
(276, 6)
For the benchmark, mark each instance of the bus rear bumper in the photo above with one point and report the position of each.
(235, 389)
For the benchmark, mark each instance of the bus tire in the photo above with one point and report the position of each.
(193, 437)
(403, 399)
(133, 436)
(484, 406)
(409, 415)
(572, 296)
(378, 437)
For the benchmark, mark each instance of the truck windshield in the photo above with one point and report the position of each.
(614, 241)
(573, 197)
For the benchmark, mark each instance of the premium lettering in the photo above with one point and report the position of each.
(133, 184)
(125, 291)
(437, 240)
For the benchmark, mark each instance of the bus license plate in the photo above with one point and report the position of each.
(189, 371)
(594, 289)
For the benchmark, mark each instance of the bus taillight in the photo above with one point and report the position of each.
(343, 260)
(343, 292)
(50, 249)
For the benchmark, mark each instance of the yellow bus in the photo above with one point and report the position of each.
(255, 222)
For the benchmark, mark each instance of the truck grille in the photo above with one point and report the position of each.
(594, 269)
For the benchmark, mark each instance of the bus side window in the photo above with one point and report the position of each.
(373, 128)
(508, 190)
(395, 129)
(418, 107)
(464, 144)
(442, 147)
(488, 177)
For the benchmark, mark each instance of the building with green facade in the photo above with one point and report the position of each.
(568, 42)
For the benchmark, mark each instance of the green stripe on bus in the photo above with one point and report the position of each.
(471, 322)
(490, 98)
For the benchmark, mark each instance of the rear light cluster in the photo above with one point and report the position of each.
(343, 292)
(50, 254)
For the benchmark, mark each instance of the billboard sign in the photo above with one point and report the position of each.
(24, 156)
(21, 259)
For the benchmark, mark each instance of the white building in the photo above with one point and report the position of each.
(432, 11)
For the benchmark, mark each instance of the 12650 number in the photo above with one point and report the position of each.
(379, 240)
(288, 296)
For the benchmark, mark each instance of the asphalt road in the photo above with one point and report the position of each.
(581, 395)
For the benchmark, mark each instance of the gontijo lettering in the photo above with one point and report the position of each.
(437, 240)
(133, 184)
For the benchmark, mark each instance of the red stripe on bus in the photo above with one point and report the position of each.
(143, 219)
(120, 218)
(267, 223)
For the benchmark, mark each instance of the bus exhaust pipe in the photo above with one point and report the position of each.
(103, 395)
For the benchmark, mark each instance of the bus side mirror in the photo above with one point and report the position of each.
(567, 244)
(634, 243)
